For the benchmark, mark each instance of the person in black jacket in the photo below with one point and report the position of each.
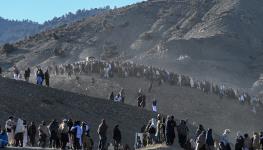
(182, 131)
(116, 137)
(261, 139)
(199, 130)
(46, 76)
(32, 130)
(102, 131)
(27, 74)
(111, 98)
(239, 142)
(53, 129)
(209, 140)
(169, 130)
(0, 71)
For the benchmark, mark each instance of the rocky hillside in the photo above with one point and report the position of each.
(183, 102)
(207, 39)
(12, 31)
(36, 103)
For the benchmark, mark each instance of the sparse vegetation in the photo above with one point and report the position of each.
(59, 52)
(146, 36)
(14, 30)
(7, 48)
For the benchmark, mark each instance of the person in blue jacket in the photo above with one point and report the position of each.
(3, 139)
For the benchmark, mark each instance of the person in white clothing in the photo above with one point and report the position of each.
(25, 137)
(10, 126)
(16, 73)
(242, 98)
(19, 132)
(118, 98)
(192, 84)
(179, 80)
(154, 106)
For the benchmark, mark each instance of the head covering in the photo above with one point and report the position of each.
(227, 131)
(239, 134)
(43, 123)
(159, 117)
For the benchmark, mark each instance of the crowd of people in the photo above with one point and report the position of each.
(129, 69)
(163, 130)
(76, 135)
(67, 134)
(141, 99)
(119, 97)
(161, 76)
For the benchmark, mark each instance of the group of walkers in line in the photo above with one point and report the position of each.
(141, 99)
(129, 69)
(163, 130)
(67, 134)
(41, 76)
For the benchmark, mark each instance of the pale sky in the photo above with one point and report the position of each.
(42, 10)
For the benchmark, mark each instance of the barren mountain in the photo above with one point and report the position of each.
(219, 40)
(208, 39)
(13, 30)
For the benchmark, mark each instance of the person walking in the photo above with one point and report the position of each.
(261, 139)
(159, 129)
(255, 141)
(154, 105)
(1, 71)
(77, 134)
(111, 97)
(32, 130)
(16, 73)
(199, 130)
(25, 134)
(247, 142)
(10, 129)
(209, 140)
(116, 137)
(27, 74)
(200, 141)
(169, 130)
(43, 134)
(64, 134)
(53, 130)
(102, 131)
(151, 130)
(19, 133)
(3, 138)
(224, 140)
(47, 77)
(182, 130)
(239, 145)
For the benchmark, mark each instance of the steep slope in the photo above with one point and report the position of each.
(35, 103)
(207, 39)
(183, 102)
